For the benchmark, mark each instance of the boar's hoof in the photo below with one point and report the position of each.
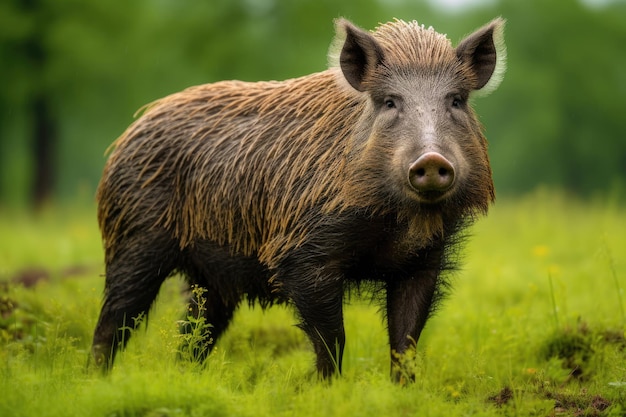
(431, 175)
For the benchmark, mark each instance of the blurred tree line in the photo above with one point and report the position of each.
(74, 72)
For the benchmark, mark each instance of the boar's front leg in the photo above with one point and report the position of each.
(409, 303)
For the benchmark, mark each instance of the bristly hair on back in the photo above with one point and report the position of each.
(248, 184)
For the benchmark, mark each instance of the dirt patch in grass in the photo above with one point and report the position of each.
(16, 321)
(18, 318)
(613, 337)
(31, 276)
(501, 398)
(579, 405)
(574, 348)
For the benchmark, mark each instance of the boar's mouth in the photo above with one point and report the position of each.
(431, 197)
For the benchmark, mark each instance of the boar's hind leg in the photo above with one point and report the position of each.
(133, 278)
(409, 304)
(216, 278)
(318, 297)
(216, 309)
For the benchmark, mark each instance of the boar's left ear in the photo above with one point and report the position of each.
(360, 53)
(485, 52)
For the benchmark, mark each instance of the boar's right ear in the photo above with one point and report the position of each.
(485, 53)
(360, 53)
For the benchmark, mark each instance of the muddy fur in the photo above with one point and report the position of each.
(294, 190)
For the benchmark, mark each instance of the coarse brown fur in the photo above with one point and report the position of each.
(277, 171)
(255, 201)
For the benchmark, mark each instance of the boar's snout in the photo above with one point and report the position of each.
(431, 175)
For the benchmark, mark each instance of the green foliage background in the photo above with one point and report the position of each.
(556, 120)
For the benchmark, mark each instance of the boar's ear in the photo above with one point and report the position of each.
(485, 53)
(360, 53)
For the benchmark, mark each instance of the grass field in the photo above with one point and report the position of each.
(534, 327)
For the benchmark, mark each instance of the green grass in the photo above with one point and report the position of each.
(534, 327)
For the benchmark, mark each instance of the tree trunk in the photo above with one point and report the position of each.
(44, 146)
(43, 122)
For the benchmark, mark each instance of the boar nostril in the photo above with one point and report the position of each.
(431, 172)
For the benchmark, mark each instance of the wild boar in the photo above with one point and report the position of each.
(296, 191)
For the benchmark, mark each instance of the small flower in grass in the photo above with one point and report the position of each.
(454, 391)
(541, 251)
(554, 270)
(530, 371)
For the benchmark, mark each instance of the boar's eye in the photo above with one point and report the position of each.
(458, 102)
(390, 103)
